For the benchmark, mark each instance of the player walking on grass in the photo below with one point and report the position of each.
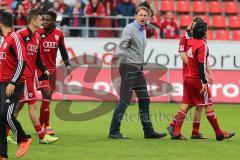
(52, 38)
(131, 56)
(198, 110)
(196, 91)
(32, 42)
(12, 64)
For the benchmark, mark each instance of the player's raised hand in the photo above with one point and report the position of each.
(10, 89)
(204, 88)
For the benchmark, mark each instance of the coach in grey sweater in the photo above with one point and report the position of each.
(130, 53)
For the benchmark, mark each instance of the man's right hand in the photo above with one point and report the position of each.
(204, 88)
(115, 58)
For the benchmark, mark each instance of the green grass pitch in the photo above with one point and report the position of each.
(87, 140)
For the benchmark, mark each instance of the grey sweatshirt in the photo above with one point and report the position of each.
(132, 44)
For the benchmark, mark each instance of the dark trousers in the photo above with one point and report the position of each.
(132, 79)
(7, 108)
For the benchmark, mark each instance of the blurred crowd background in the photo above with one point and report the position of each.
(107, 18)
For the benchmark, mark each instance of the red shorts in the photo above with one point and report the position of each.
(49, 84)
(28, 95)
(191, 93)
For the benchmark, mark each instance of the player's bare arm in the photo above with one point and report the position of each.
(184, 57)
(210, 78)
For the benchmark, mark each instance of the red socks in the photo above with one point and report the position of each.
(212, 118)
(40, 131)
(44, 113)
(179, 121)
(196, 126)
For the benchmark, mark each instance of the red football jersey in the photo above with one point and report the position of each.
(50, 42)
(32, 42)
(183, 48)
(197, 53)
(12, 58)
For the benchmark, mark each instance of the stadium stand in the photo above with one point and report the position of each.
(199, 7)
(222, 16)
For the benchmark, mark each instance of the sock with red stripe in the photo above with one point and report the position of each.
(212, 118)
(40, 131)
(44, 113)
(196, 126)
(179, 121)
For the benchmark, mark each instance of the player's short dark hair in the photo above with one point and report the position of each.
(198, 19)
(52, 14)
(32, 14)
(142, 8)
(6, 18)
(199, 30)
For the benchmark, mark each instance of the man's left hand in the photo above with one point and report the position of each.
(210, 80)
(10, 89)
(69, 69)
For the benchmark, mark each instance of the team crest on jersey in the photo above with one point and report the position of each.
(56, 37)
(5, 45)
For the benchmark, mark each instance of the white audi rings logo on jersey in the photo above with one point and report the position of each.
(32, 48)
(3, 55)
(50, 44)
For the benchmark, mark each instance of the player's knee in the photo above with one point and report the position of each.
(209, 109)
(32, 106)
(199, 109)
(185, 107)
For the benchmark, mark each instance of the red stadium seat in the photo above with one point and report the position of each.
(199, 7)
(215, 7)
(231, 7)
(234, 22)
(209, 35)
(236, 35)
(222, 35)
(218, 22)
(167, 5)
(183, 6)
(185, 20)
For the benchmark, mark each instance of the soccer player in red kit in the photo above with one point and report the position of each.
(32, 42)
(12, 65)
(198, 110)
(196, 91)
(52, 38)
